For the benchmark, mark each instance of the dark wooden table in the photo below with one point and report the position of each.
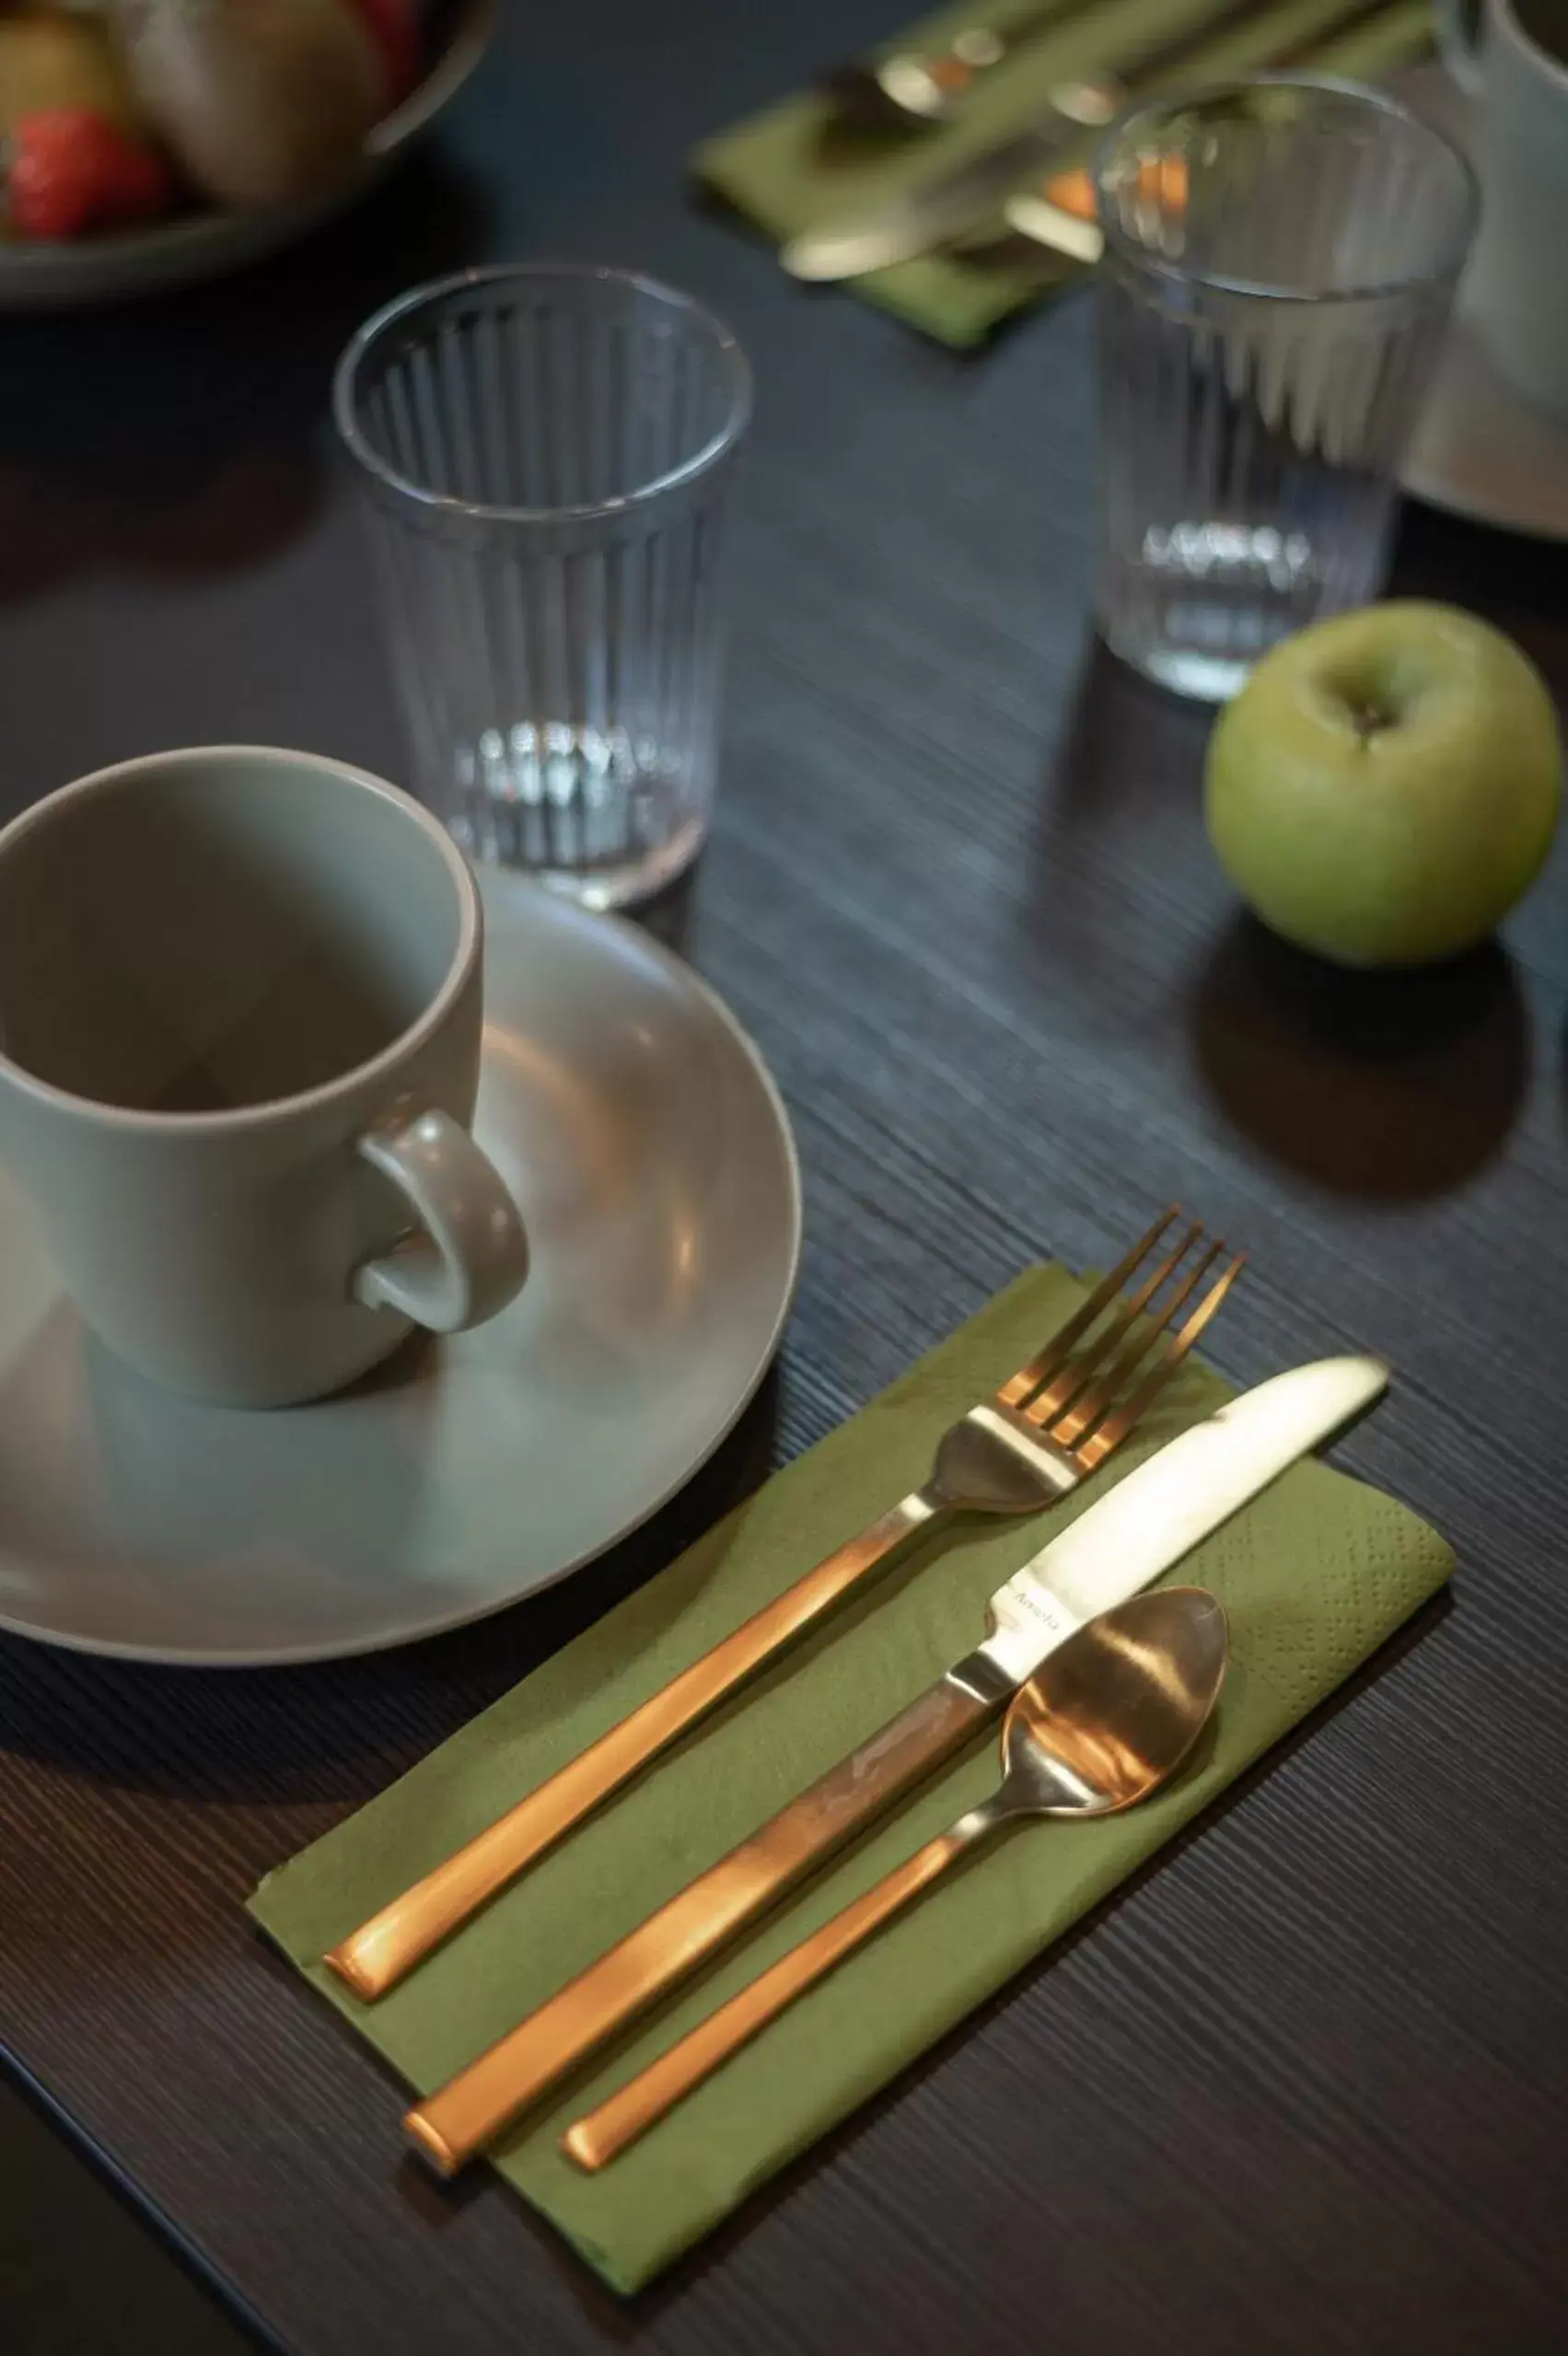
(1305, 2088)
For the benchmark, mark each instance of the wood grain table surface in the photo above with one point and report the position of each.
(1305, 2087)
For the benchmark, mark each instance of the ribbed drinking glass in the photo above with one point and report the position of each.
(1280, 257)
(547, 456)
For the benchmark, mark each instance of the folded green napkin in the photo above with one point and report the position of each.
(779, 168)
(1314, 1575)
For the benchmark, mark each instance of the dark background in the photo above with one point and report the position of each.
(1303, 2089)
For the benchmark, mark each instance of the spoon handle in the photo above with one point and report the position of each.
(644, 2100)
(471, 2109)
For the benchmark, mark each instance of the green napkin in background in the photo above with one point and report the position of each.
(774, 167)
(1314, 1575)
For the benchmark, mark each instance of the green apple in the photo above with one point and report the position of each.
(1387, 783)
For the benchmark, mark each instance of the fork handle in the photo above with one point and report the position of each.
(473, 2108)
(643, 2101)
(377, 1956)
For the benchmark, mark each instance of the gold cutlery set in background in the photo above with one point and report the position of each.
(1105, 1692)
(1030, 183)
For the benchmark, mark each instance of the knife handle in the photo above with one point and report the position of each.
(640, 2104)
(472, 2109)
(377, 1956)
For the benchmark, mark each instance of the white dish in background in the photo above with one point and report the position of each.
(1481, 450)
(191, 247)
(654, 1163)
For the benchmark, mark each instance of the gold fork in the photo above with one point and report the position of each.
(1046, 1428)
(680, 1936)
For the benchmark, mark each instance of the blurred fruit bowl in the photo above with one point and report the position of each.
(120, 265)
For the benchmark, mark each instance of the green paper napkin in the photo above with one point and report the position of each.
(776, 169)
(1315, 1575)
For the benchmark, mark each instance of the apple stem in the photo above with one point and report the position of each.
(1369, 721)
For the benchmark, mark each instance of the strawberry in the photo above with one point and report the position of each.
(395, 26)
(74, 168)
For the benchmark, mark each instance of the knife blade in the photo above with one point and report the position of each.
(1141, 1528)
(902, 228)
(1173, 1499)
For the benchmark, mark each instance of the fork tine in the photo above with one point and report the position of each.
(1098, 1444)
(1027, 1380)
(1092, 1403)
(1074, 1375)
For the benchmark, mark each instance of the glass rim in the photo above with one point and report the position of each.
(1438, 274)
(688, 469)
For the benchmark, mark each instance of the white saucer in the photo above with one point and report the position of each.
(654, 1164)
(1480, 449)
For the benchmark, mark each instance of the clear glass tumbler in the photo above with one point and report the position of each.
(547, 456)
(1279, 256)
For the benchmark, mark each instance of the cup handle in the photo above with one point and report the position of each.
(471, 1255)
(1458, 37)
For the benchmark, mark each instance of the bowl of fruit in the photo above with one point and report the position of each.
(145, 144)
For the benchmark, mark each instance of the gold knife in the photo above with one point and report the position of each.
(902, 227)
(1148, 1522)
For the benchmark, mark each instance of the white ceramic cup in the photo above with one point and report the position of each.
(1516, 70)
(240, 1041)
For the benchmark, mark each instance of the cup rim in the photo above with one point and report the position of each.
(689, 469)
(1445, 271)
(233, 1119)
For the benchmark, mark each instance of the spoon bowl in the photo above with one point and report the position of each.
(1105, 1722)
(1113, 1713)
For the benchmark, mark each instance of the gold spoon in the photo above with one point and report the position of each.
(1109, 1717)
(918, 87)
